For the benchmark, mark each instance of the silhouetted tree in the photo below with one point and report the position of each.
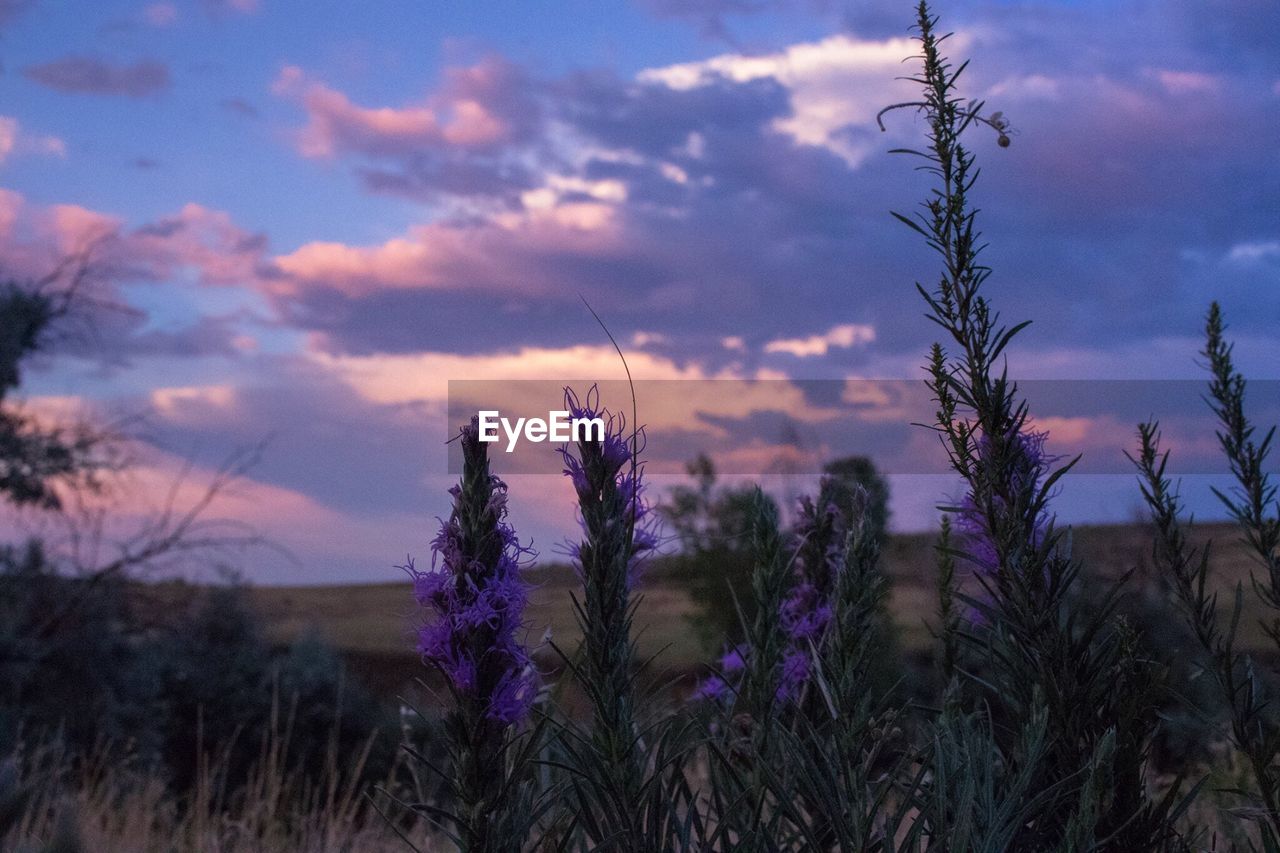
(35, 457)
(851, 473)
(713, 527)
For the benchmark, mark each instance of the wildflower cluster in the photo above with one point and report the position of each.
(805, 610)
(1043, 736)
(477, 597)
(808, 608)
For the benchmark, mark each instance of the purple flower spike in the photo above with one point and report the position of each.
(808, 609)
(1030, 463)
(600, 466)
(475, 596)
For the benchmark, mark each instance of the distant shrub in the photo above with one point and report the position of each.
(333, 716)
(83, 664)
(73, 661)
(216, 675)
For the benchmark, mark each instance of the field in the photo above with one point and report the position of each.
(372, 623)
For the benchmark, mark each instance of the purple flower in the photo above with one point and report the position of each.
(711, 689)
(733, 660)
(793, 676)
(809, 608)
(1023, 473)
(733, 664)
(805, 614)
(475, 597)
(512, 697)
(602, 470)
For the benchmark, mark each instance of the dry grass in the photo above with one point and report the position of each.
(109, 805)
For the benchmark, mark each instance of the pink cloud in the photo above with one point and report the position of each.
(506, 255)
(1187, 82)
(460, 114)
(10, 205)
(199, 238)
(842, 337)
(159, 483)
(8, 136)
(75, 228)
(14, 140)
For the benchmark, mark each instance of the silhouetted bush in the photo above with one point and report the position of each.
(84, 664)
(72, 662)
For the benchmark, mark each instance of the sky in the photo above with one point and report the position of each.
(307, 219)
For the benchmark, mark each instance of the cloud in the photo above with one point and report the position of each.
(513, 256)
(843, 336)
(1254, 252)
(425, 376)
(745, 197)
(239, 107)
(460, 140)
(8, 136)
(193, 245)
(1187, 82)
(675, 197)
(199, 238)
(833, 84)
(1026, 87)
(309, 541)
(94, 76)
(154, 265)
(14, 140)
(10, 206)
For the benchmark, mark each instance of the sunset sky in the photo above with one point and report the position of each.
(316, 214)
